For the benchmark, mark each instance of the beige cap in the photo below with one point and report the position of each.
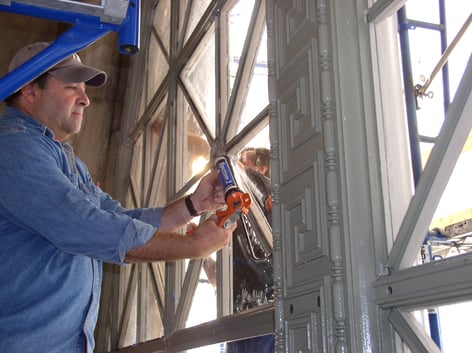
(70, 69)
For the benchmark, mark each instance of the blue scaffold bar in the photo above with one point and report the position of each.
(88, 27)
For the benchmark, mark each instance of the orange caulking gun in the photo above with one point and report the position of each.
(237, 202)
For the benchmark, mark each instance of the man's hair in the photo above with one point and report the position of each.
(260, 155)
(41, 81)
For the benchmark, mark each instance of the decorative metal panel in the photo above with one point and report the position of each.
(309, 232)
(303, 328)
(305, 241)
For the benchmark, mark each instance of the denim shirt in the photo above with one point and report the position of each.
(56, 229)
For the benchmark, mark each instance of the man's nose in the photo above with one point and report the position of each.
(84, 99)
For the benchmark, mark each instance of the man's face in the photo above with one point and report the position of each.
(248, 157)
(60, 106)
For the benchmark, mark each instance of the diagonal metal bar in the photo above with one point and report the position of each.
(188, 291)
(158, 286)
(437, 171)
(128, 300)
(412, 332)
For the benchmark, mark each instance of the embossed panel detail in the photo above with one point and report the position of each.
(304, 327)
(295, 19)
(305, 242)
(299, 113)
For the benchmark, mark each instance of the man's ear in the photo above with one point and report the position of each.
(28, 92)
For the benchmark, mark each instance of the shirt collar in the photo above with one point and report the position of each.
(27, 120)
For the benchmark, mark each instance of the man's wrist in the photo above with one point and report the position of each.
(191, 207)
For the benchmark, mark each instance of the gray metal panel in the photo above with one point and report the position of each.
(307, 199)
(304, 328)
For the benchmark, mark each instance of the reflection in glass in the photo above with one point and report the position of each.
(252, 251)
(252, 240)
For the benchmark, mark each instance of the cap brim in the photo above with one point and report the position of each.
(80, 73)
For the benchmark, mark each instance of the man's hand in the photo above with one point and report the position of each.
(209, 237)
(169, 246)
(209, 195)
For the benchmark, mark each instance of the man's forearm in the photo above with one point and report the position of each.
(163, 246)
(175, 215)
(166, 245)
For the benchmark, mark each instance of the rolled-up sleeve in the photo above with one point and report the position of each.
(36, 195)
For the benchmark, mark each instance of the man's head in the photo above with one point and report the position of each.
(57, 98)
(257, 159)
(70, 69)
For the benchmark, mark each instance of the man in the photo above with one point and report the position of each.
(57, 226)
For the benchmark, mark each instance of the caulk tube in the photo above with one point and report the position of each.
(226, 176)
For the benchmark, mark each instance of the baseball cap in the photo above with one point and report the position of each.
(70, 69)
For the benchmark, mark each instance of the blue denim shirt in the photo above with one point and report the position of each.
(56, 228)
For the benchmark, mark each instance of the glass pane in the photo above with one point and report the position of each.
(416, 10)
(456, 16)
(258, 95)
(152, 327)
(214, 348)
(451, 228)
(157, 194)
(203, 307)
(455, 324)
(136, 173)
(448, 325)
(161, 23)
(199, 79)
(156, 70)
(196, 149)
(148, 169)
(423, 60)
(238, 22)
(192, 15)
